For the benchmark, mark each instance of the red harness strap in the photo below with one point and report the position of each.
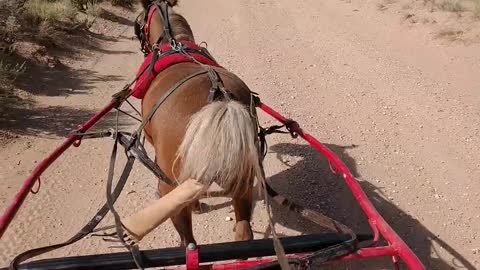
(146, 28)
(143, 83)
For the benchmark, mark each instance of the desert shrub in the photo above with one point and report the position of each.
(43, 10)
(11, 24)
(476, 11)
(124, 3)
(84, 5)
(10, 71)
(452, 6)
(70, 10)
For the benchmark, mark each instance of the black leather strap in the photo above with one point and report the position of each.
(111, 201)
(135, 148)
(162, 10)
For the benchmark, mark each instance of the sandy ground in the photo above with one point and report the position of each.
(399, 106)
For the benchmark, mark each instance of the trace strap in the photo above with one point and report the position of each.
(111, 200)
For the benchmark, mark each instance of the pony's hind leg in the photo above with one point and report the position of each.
(183, 224)
(243, 215)
(182, 221)
(198, 207)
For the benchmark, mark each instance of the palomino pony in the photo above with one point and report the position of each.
(195, 137)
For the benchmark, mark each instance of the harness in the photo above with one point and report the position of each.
(134, 150)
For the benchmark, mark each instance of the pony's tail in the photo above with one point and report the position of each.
(220, 145)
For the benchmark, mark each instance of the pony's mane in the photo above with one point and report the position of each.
(180, 27)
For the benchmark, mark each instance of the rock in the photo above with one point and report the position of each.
(228, 219)
(436, 196)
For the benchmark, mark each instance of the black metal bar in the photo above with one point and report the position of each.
(208, 253)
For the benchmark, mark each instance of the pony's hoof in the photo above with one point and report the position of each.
(243, 231)
(200, 208)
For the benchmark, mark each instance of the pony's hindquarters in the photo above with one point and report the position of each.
(220, 146)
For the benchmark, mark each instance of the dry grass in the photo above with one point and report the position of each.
(451, 6)
(61, 10)
(451, 35)
(124, 3)
(44, 10)
(457, 6)
(52, 18)
(476, 10)
(85, 4)
(9, 71)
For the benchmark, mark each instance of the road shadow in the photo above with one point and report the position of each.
(39, 80)
(108, 15)
(67, 39)
(22, 116)
(39, 48)
(80, 42)
(310, 183)
(53, 121)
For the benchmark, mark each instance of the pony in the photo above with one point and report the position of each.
(197, 138)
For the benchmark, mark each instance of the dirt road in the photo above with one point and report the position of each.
(400, 108)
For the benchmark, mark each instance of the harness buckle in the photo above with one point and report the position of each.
(176, 46)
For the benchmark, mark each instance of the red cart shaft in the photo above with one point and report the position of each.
(376, 220)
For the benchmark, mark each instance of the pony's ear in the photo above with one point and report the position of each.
(172, 2)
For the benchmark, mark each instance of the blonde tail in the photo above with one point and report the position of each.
(220, 145)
